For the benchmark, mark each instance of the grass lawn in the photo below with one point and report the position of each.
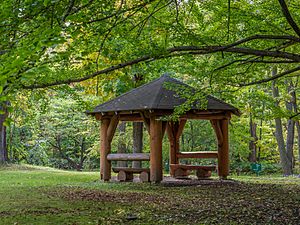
(37, 195)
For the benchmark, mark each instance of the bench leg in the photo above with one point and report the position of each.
(181, 173)
(125, 176)
(145, 176)
(201, 173)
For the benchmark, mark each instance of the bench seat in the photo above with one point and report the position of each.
(182, 171)
(198, 155)
(126, 173)
(129, 157)
(132, 170)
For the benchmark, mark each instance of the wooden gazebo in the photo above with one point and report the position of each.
(148, 104)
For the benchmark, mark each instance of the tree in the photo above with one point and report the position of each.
(137, 133)
(56, 41)
(50, 128)
(285, 147)
(3, 147)
(53, 47)
(122, 148)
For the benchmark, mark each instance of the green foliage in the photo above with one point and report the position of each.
(57, 131)
(54, 42)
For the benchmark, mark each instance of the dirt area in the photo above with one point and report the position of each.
(202, 201)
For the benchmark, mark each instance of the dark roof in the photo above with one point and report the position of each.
(155, 95)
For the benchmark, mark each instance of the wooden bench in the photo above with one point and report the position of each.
(126, 173)
(198, 155)
(182, 171)
(129, 157)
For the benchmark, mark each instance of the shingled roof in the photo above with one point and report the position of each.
(155, 95)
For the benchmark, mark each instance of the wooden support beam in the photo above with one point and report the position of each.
(105, 165)
(174, 144)
(162, 112)
(107, 131)
(223, 151)
(217, 128)
(112, 127)
(204, 117)
(98, 116)
(146, 121)
(130, 117)
(156, 173)
(174, 131)
(180, 128)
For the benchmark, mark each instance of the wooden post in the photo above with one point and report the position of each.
(156, 172)
(104, 163)
(174, 131)
(108, 128)
(223, 151)
(172, 140)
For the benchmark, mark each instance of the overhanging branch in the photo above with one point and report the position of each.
(245, 40)
(76, 80)
(289, 17)
(272, 78)
(274, 48)
(192, 50)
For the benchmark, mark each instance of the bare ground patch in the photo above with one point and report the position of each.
(213, 203)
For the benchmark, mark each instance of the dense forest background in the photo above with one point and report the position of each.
(61, 58)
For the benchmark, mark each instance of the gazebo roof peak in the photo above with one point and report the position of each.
(155, 95)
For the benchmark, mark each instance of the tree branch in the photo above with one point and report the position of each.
(228, 19)
(260, 37)
(291, 117)
(194, 50)
(155, 10)
(244, 61)
(138, 7)
(69, 9)
(276, 48)
(82, 7)
(272, 78)
(289, 17)
(189, 50)
(76, 80)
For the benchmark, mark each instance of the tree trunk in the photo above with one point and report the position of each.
(137, 142)
(182, 144)
(83, 154)
(3, 146)
(290, 143)
(260, 133)
(192, 136)
(122, 143)
(298, 138)
(297, 124)
(253, 141)
(286, 164)
(290, 126)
